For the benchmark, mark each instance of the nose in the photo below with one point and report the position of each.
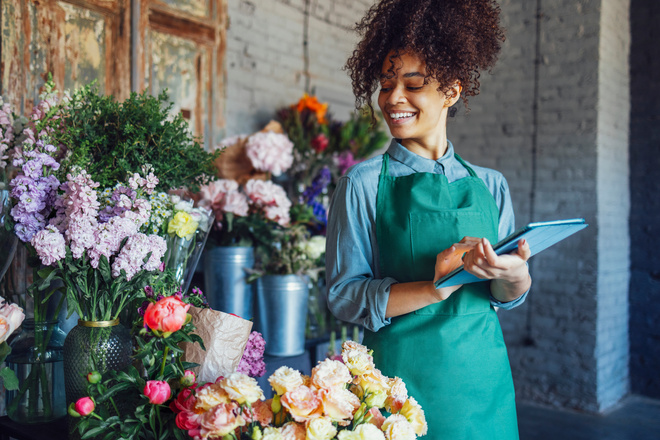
(396, 96)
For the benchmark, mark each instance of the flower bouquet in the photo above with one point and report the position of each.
(187, 231)
(341, 400)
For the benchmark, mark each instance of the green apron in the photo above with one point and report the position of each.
(451, 354)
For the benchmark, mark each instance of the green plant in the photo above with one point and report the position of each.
(113, 140)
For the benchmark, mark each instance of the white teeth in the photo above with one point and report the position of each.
(401, 115)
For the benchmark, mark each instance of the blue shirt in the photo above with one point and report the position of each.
(356, 291)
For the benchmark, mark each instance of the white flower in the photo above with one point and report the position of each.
(314, 247)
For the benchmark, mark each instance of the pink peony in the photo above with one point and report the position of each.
(49, 245)
(167, 315)
(269, 151)
(158, 391)
(84, 406)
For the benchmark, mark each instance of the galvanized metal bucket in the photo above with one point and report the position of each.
(282, 313)
(225, 279)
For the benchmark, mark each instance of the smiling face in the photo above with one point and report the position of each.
(415, 112)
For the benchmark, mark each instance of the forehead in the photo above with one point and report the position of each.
(402, 63)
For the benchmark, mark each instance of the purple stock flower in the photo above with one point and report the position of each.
(143, 308)
(252, 363)
(148, 291)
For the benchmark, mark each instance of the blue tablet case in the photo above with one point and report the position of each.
(540, 236)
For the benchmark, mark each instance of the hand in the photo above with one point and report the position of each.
(448, 260)
(484, 263)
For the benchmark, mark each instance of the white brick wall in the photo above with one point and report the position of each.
(568, 344)
(612, 349)
(265, 57)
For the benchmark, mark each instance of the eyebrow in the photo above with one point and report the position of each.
(405, 75)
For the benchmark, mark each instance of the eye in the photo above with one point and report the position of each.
(384, 89)
(414, 88)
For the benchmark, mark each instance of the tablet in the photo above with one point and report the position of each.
(540, 236)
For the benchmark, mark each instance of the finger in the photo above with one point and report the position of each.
(470, 240)
(447, 253)
(489, 253)
(523, 249)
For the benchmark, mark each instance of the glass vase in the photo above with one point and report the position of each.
(36, 358)
(94, 346)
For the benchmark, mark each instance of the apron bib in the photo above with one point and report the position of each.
(451, 354)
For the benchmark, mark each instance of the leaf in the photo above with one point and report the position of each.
(9, 378)
(93, 432)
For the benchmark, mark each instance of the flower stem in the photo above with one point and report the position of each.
(162, 365)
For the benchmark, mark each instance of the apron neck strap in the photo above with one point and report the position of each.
(468, 168)
(385, 168)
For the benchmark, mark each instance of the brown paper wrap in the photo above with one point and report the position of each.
(224, 336)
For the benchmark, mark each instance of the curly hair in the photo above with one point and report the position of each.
(455, 38)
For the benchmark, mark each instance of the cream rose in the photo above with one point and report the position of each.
(210, 396)
(302, 403)
(358, 362)
(285, 379)
(352, 345)
(339, 404)
(272, 434)
(397, 427)
(414, 413)
(367, 431)
(321, 428)
(398, 395)
(242, 388)
(330, 374)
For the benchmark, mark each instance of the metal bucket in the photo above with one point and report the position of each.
(225, 279)
(282, 313)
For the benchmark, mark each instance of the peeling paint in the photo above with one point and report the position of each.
(199, 8)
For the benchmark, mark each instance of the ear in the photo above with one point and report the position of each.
(453, 94)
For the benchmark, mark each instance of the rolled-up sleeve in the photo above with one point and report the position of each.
(355, 294)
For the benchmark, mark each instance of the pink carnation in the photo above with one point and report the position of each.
(271, 198)
(269, 151)
(49, 245)
(235, 203)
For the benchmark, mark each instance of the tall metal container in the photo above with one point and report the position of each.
(225, 279)
(282, 302)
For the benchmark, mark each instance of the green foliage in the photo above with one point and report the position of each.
(113, 140)
(357, 135)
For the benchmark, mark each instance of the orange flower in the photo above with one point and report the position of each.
(312, 104)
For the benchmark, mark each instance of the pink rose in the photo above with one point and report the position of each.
(167, 315)
(339, 404)
(158, 391)
(302, 403)
(11, 317)
(84, 406)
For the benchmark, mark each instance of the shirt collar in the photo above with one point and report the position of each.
(418, 163)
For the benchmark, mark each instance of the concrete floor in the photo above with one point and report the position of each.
(636, 418)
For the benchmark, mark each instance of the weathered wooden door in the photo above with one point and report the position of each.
(180, 48)
(77, 41)
(125, 46)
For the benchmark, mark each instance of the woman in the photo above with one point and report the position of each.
(400, 221)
